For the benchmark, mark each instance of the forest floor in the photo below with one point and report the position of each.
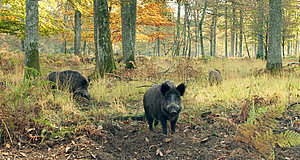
(243, 118)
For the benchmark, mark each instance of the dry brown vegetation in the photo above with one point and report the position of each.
(247, 116)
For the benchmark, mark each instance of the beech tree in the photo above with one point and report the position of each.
(103, 45)
(77, 40)
(32, 63)
(274, 57)
(128, 18)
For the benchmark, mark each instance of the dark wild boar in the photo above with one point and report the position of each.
(215, 77)
(70, 80)
(162, 102)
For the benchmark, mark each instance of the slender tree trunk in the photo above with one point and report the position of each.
(236, 44)
(297, 46)
(196, 33)
(241, 34)
(248, 52)
(260, 32)
(157, 43)
(77, 41)
(215, 32)
(0, 6)
(103, 45)
(226, 28)
(233, 31)
(283, 32)
(266, 40)
(177, 39)
(128, 17)
(32, 60)
(211, 37)
(189, 36)
(22, 44)
(184, 28)
(200, 28)
(64, 45)
(274, 60)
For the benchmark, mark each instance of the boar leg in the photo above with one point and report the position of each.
(150, 121)
(173, 124)
(164, 125)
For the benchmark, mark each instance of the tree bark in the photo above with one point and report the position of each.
(241, 35)
(226, 28)
(200, 28)
(184, 28)
(177, 39)
(128, 18)
(215, 32)
(274, 60)
(233, 31)
(103, 45)
(260, 32)
(77, 41)
(32, 63)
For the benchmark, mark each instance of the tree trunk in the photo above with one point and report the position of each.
(177, 38)
(226, 28)
(200, 28)
(32, 60)
(233, 31)
(248, 52)
(241, 35)
(215, 32)
(184, 28)
(103, 45)
(77, 41)
(196, 34)
(64, 45)
(128, 18)
(274, 61)
(189, 47)
(260, 32)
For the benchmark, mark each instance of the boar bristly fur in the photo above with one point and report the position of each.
(215, 77)
(70, 80)
(162, 102)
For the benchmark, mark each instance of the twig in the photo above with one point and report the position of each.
(7, 131)
(162, 72)
(143, 86)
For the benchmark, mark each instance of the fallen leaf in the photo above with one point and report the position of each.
(5, 153)
(120, 149)
(73, 142)
(7, 145)
(147, 140)
(67, 149)
(158, 152)
(168, 140)
(23, 154)
(168, 151)
(204, 140)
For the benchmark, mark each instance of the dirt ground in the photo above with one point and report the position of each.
(206, 139)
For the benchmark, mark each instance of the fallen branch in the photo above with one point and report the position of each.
(7, 131)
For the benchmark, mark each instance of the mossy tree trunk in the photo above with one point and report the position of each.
(77, 40)
(274, 59)
(128, 18)
(32, 60)
(103, 45)
(260, 31)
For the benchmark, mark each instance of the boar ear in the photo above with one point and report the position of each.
(164, 88)
(181, 89)
(84, 83)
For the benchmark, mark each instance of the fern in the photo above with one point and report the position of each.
(288, 139)
(258, 131)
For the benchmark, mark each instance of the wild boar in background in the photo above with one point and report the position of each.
(70, 80)
(215, 77)
(162, 102)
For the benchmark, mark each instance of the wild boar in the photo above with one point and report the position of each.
(162, 102)
(70, 80)
(215, 77)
